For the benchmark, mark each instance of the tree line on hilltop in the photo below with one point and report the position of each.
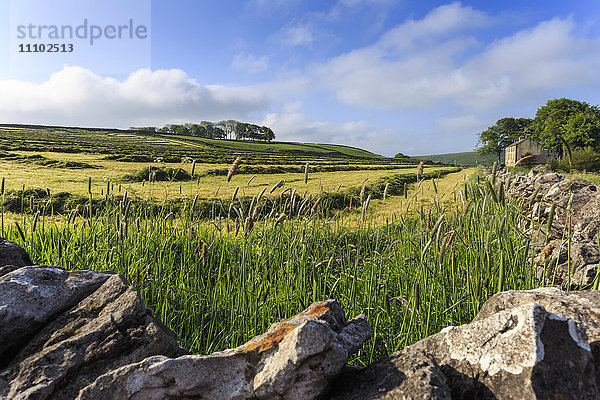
(563, 126)
(229, 129)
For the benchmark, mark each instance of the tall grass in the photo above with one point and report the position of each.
(216, 284)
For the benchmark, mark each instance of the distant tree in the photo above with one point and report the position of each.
(143, 128)
(400, 155)
(220, 130)
(228, 127)
(217, 133)
(241, 131)
(577, 122)
(197, 130)
(168, 129)
(495, 139)
(267, 133)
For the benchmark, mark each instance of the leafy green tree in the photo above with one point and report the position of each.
(582, 130)
(228, 127)
(221, 130)
(495, 138)
(267, 133)
(577, 122)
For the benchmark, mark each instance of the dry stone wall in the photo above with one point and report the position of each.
(567, 254)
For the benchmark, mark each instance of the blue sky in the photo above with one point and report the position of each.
(386, 75)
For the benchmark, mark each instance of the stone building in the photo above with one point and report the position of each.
(523, 147)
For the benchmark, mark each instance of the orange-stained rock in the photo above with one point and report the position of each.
(295, 359)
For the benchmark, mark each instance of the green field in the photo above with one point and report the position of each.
(73, 163)
(218, 261)
(132, 146)
(464, 158)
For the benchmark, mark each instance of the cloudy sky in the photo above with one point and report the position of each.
(386, 75)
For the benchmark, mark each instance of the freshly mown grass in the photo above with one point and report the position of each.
(216, 285)
(207, 183)
(38, 159)
(140, 147)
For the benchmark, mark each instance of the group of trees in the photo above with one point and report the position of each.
(495, 138)
(229, 129)
(559, 121)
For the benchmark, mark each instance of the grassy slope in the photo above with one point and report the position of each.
(111, 154)
(95, 141)
(274, 146)
(464, 158)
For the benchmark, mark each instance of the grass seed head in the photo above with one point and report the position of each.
(235, 192)
(362, 190)
(233, 168)
(204, 254)
(20, 231)
(277, 186)
(280, 219)
(314, 207)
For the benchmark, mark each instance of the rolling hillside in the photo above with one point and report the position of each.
(126, 145)
(464, 158)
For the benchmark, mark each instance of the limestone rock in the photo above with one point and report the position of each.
(547, 179)
(408, 374)
(108, 329)
(582, 191)
(583, 263)
(32, 296)
(580, 222)
(294, 359)
(583, 307)
(518, 353)
(522, 345)
(11, 254)
(588, 225)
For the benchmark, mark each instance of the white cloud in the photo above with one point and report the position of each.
(438, 23)
(291, 125)
(77, 96)
(530, 62)
(250, 64)
(462, 123)
(422, 63)
(297, 35)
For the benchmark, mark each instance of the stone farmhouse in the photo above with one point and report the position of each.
(525, 150)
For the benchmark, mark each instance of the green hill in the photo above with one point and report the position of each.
(131, 145)
(464, 158)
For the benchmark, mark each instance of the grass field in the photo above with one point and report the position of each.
(76, 180)
(465, 158)
(130, 146)
(219, 261)
(217, 285)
